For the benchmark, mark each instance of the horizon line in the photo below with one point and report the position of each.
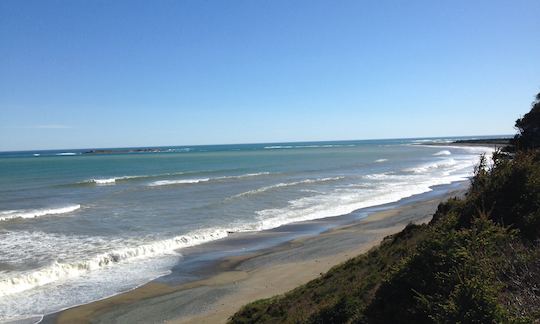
(255, 143)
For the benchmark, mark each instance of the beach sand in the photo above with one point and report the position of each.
(238, 280)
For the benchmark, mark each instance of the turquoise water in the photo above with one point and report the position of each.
(76, 226)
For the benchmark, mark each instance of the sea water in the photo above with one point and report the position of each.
(77, 226)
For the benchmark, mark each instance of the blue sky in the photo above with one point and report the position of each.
(85, 74)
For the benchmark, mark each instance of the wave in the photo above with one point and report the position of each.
(434, 140)
(342, 201)
(64, 270)
(283, 184)
(104, 181)
(174, 182)
(199, 180)
(113, 180)
(66, 154)
(276, 147)
(432, 166)
(33, 213)
(247, 175)
(443, 152)
(468, 149)
(377, 176)
(381, 160)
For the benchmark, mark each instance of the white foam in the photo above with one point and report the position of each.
(176, 182)
(377, 176)
(33, 213)
(113, 180)
(276, 147)
(389, 187)
(431, 166)
(247, 175)
(104, 181)
(344, 201)
(443, 152)
(66, 154)
(199, 180)
(438, 140)
(284, 184)
(64, 270)
(381, 160)
(463, 148)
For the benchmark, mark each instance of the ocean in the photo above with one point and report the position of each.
(81, 225)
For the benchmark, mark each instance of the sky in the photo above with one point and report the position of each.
(89, 74)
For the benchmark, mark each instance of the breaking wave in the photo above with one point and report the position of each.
(64, 270)
(443, 152)
(431, 166)
(113, 180)
(277, 147)
(33, 213)
(175, 182)
(284, 184)
(199, 180)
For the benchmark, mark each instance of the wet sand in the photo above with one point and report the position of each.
(240, 278)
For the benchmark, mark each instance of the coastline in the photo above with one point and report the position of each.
(279, 260)
(492, 143)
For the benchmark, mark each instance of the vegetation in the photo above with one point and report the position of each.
(528, 136)
(477, 261)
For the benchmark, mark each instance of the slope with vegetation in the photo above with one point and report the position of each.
(477, 261)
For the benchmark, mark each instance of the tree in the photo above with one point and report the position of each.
(528, 126)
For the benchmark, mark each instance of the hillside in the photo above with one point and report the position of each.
(477, 261)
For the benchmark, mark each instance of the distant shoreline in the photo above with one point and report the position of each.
(496, 142)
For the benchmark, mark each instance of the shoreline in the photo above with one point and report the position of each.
(491, 143)
(215, 279)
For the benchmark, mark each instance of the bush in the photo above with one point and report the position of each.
(529, 128)
(451, 276)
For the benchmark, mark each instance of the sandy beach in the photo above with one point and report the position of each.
(238, 279)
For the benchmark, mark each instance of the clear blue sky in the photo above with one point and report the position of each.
(80, 73)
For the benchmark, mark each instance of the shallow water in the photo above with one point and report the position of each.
(77, 227)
